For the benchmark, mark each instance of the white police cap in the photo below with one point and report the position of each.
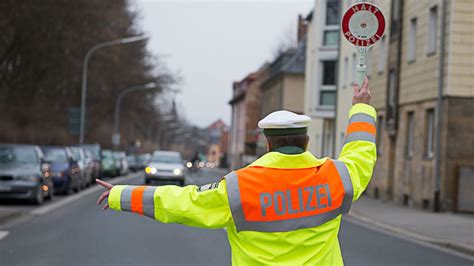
(283, 122)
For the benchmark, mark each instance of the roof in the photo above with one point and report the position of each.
(292, 61)
(297, 63)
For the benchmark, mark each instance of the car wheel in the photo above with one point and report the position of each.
(38, 195)
(77, 188)
(181, 183)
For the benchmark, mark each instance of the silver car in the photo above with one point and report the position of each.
(165, 166)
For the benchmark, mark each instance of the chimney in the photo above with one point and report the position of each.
(302, 26)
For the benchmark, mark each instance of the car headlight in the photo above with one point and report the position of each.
(177, 171)
(189, 164)
(27, 178)
(150, 170)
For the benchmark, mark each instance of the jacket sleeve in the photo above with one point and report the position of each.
(359, 152)
(189, 205)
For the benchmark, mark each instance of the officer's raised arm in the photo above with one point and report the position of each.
(359, 150)
(205, 206)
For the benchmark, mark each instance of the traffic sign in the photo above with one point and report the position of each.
(363, 24)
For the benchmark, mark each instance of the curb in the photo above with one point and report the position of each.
(465, 249)
(6, 218)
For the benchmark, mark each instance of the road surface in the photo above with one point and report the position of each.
(82, 234)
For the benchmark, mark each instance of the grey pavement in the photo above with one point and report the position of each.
(449, 229)
(82, 234)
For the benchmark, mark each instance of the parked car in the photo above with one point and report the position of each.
(122, 158)
(24, 174)
(165, 166)
(65, 171)
(91, 165)
(143, 160)
(94, 149)
(132, 163)
(84, 165)
(109, 165)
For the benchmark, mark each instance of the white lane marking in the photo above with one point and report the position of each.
(3, 234)
(68, 200)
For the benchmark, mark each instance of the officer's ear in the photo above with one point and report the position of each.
(269, 145)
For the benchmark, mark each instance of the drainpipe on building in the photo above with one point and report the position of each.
(439, 110)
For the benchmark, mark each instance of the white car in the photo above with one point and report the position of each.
(165, 166)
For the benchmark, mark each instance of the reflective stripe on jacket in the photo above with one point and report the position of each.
(316, 245)
(279, 200)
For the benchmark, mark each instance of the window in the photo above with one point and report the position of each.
(331, 38)
(354, 67)
(332, 12)
(346, 71)
(382, 55)
(432, 30)
(329, 72)
(379, 135)
(410, 135)
(395, 18)
(327, 96)
(429, 133)
(391, 89)
(411, 54)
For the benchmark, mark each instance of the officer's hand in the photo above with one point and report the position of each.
(362, 95)
(104, 195)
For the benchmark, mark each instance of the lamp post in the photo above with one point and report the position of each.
(84, 74)
(116, 135)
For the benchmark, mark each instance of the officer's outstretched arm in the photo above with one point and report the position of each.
(205, 206)
(359, 151)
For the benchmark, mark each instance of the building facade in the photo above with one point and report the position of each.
(246, 111)
(420, 76)
(284, 87)
(321, 75)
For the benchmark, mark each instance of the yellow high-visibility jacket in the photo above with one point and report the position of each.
(208, 207)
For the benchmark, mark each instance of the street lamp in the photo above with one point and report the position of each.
(84, 74)
(116, 135)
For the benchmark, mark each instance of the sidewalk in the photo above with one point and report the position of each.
(451, 230)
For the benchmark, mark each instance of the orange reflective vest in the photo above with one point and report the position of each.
(279, 200)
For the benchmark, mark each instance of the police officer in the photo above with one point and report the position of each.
(284, 208)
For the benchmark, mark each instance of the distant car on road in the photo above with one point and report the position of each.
(24, 174)
(109, 166)
(132, 162)
(165, 166)
(122, 158)
(65, 171)
(143, 160)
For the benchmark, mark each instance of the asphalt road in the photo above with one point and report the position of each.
(82, 234)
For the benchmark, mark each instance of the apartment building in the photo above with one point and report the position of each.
(377, 64)
(284, 87)
(320, 80)
(421, 76)
(246, 111)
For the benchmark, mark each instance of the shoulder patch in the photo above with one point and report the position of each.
(208, 187)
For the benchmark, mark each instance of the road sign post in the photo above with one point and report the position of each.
(363, 25)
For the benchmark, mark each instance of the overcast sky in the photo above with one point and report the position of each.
(213, 43)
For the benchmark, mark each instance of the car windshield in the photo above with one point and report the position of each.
(160, 158)
(18, 154)
(55, 155)
(144, 158)
(107, 154)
